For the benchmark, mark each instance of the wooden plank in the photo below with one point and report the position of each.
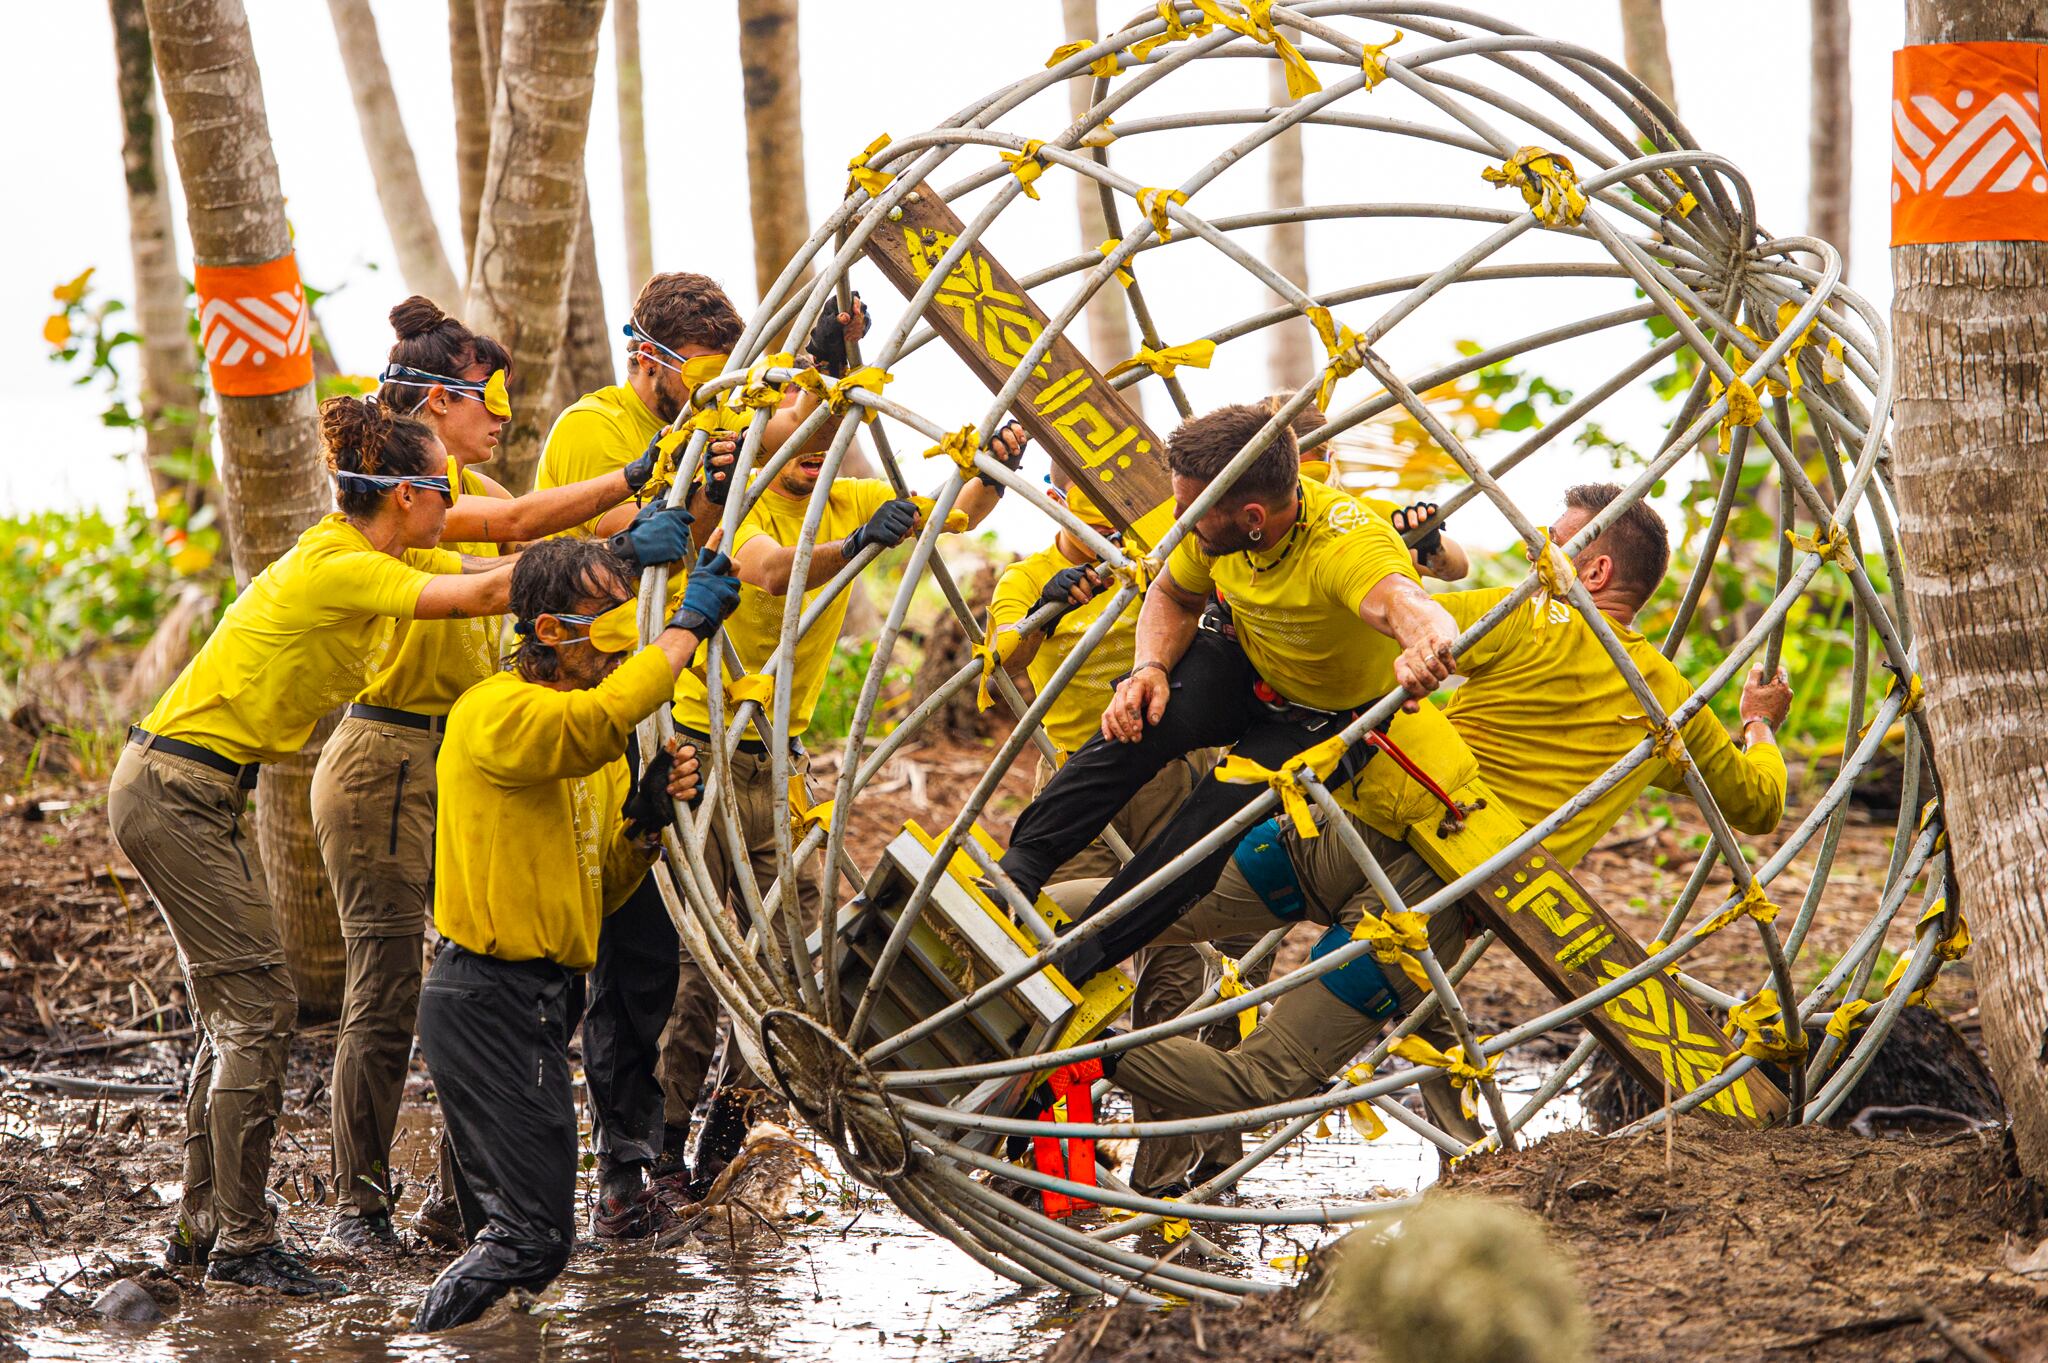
(1656, 1031)
(1087, 427)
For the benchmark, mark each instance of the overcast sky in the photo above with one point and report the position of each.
(882, 65)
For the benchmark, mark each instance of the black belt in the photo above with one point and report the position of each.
(244, 772)
(753, 746)
(427, 724)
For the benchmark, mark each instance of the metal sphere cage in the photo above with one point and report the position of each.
(1673, 225)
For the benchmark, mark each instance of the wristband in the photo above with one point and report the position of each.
(1164, 670)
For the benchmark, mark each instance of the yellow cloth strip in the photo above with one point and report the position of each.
(1669, 745)
(1256, 23)
(1123, 274)
(1152, 202)
(1163, 362)
(1026, 166)
(1753, 904)
(873, 181)
(1373, 59)
(1231, 986)
(1554, 577)
(959, 446)
(1831, 544)
(1464, 1075)
(1762, 1025)
(1345, 348)
(1365, 1118)
(1176, 31)
(1322, 759)
(1396, 937)
(1548, 183)
(1104, 66)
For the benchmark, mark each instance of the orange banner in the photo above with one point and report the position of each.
(1967, 160)
(255, 327)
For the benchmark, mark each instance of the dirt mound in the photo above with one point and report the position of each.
(1263, 1330)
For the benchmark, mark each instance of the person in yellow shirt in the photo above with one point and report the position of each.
(373, 790)
(1328, 615)
(1539, 707)
(1436, 554)
(299, 640)
(541, 833)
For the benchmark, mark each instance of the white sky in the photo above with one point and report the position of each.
(883, 65)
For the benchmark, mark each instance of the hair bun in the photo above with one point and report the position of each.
(353, 430)
(416, 316)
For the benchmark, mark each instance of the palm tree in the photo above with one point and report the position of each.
(170, 366)
(1970, 454)
(472, 118)
(1827, 141)
(533, 203)
(1293, 355)
(775, 135)
(422, 260)
(633, 142)
(273, 480)
(1645, 50)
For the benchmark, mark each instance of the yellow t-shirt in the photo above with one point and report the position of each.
(1077, 715)
(300, 639)
(1296, 603)
(431, 662)
(530, 850)
(1539, 709)
(756, 625)
(599, 433)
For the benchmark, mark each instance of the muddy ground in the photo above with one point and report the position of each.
(1790, 1245)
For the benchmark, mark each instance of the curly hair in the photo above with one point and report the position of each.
(678, 309)
(362, 435)
(552, 578)
(1202, 447)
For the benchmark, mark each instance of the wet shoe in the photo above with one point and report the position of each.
(674, 1158)
(368, 1234)
(630, 1216)
(725, 1131)
(275, 1270)
(439, 1222)
(183, 1250)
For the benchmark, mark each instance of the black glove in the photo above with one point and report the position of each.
(710, 595)
(640, 470)
(1064, 581)
(1012, 462)
(717, 479)
(648, 808)
(827, 345)
(1408, 517)
(659, 534)
(886, 527)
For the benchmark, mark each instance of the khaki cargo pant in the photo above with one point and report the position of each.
(180, 823)
(373, 813)
(692, 1033)
(1309, 1034)
(1168, 978)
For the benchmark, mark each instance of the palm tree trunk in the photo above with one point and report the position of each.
(633, 143)
(273, 481)
(1970, 454)
(1645, 51)
(422, 260)
(1109, 327)
(1828, 141)
(472, 119)
(775, 135)
(172, 420)
(533, 204)
(585, 363)
(1292, 359)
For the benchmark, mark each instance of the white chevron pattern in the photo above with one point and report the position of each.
(1995, 149)
(253, 328)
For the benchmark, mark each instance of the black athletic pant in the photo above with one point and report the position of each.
(632, 993)
(1211, 705)
(496, 1039)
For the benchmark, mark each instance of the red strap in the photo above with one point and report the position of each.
(1074, 1160)
(1408, 764)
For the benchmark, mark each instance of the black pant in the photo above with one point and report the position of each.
(632, 993)
(496, 1038)
(1211, 705)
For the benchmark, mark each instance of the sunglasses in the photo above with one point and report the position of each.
(695, 372)
(436, 482)
(492, 392)
(612, 631)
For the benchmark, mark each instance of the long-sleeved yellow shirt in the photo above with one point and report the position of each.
(530, 848)
(1542, 709)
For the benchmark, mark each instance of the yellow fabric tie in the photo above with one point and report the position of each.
(1744, 408)
(1176, 31)
(1373, 59)
(1101, 135)
(1786, 313)
(989, 655)
(1464, 1075)
(838, 395)
(959, 446)
(1231, 986)
(752, 687)
(1554, 577)
(1163, 362)
(1832, 545)
(1152, 203)
(873, 181)
(1104, 66)
(1173, 1229)
(1345, 348)
(1687, 202)
(1395, 938)
(757, 391)
(1753, 904)
(1026, 166)
(1123, 274)
(1322, 759)
(1949, 948)
(802, 813)
(1365, 1118)
(1256, 23)
(1762, 1024)
(1548, 183)
(719, 419)
(1835, 363)
(1669, 745)
(1844, 1021)
(1139, 572)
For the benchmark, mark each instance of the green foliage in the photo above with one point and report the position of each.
(844, 677)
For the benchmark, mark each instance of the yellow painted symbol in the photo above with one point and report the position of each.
(1658, 1026)
(1000, 322)
(1554, 902)
(1102, 445)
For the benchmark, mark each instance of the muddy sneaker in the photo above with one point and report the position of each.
(183, 1250)
(725, 1131)
(368, 1234)
(439, 1222)
(274, 1269)
(633, 1215)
